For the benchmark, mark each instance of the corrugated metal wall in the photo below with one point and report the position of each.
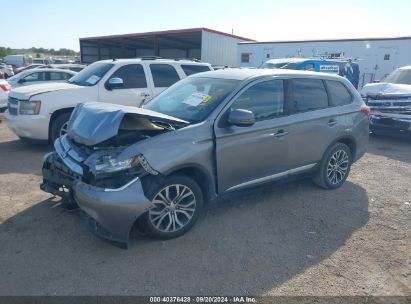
(219, 49)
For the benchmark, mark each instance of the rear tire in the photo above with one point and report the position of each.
(334, 167)
(59, 126)
(178, 202)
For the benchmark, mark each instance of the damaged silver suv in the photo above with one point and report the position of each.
(207, 135)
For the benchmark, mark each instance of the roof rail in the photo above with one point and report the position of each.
(158, 57)
(149, 57)
(188, 59)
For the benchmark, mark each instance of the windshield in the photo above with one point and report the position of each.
(399, 77)
(192, 99)
(91, 75)
(280, 65)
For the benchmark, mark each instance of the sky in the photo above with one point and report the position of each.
(59, 24)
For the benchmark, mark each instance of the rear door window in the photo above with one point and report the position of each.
(264, 99)
(339, 94)
(37, 76)
(308, 95)
(58, 76)
(164, 75)
(133, 76)
(190, 69)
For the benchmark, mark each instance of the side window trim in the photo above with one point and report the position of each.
(307, 111)
(125, 65)
(327, 90)
(330, 101)
(179, 76)
(222, 118)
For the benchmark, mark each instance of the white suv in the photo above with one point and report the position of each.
(42, 111)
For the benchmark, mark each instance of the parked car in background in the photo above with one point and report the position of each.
(43, 61)
(18, 61)
(7, 70)
(69, 66)
(30, 67)
(35, 76)
(42, 111)
(4, 93)
(208, 135)
(390, 103)
(344, 68)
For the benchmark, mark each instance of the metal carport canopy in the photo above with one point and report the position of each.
(185, 42)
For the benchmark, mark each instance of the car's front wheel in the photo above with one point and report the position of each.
(59, 126)
(177, 204)
(334, 167)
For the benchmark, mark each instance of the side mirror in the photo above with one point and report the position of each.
(241, 118)
(22, 80)
(114, 83)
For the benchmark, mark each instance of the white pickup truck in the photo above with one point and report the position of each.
(42, 111)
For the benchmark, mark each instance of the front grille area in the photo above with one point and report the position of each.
(387, 97)
(389, 103)
(13, 105)
(13, 101)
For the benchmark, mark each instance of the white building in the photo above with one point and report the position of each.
(205, 44)
(376, 57)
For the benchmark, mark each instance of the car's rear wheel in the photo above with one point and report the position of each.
(59, 126)
(334, 167)
(177, 204)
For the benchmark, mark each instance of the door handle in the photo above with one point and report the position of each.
(280, 133)
(143, 94)
(332, 122)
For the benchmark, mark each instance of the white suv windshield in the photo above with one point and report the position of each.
(91, 74)
(192, 99)
(399, 77)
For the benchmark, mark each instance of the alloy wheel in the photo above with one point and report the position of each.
(63, 129)
(337, 167)
(174, 207)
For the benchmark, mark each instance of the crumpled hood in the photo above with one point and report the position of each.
(385, 88)
(92, 123)
(25, 92)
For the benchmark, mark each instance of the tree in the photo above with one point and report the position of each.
(5, 51)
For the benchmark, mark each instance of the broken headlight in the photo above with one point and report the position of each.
(104, 162)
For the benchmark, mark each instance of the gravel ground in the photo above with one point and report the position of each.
(294, 239)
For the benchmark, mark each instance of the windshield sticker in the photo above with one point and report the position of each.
(196, 99)
(207, 98)
(330, 69)
(93, 79)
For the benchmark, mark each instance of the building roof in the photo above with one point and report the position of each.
(326, 40)
(168, 32)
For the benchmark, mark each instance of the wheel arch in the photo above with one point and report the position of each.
(200, 176)
(348, 140)
(56, 114)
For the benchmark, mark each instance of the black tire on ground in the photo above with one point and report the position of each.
(57, 124)
(327, 165)
(156, 227)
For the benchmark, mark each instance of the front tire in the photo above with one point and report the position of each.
(178, 202)
(59, 126)
(335, 167)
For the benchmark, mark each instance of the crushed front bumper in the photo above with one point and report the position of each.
(391, 124)
(109, 213)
